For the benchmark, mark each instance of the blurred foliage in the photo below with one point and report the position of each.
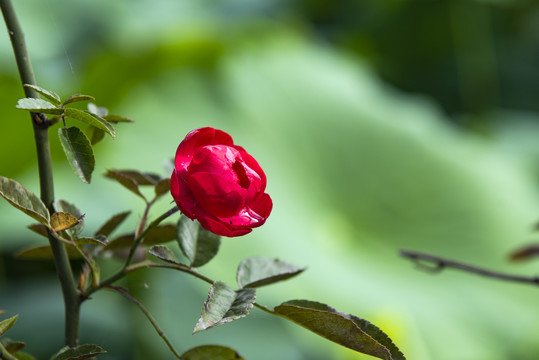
(380, 124)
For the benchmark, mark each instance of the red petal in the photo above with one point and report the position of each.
(182, 195)
(196, 139)
(217, 194)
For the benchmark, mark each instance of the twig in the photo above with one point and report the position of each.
(134, 300)
(438, 264)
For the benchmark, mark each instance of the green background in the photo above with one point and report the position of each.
(380, 124)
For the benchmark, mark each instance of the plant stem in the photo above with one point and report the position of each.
(41, 136)
(439, 264)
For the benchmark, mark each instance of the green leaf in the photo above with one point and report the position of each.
(344, 329)
(117, 119)
(98, 110)
(107, 228)
(44, 252)
(94, 134)
(91, 119)
(78, 151)
(99, 240)
(197, 244)
(165, 254)
(260, 271)
(82, 352)
(24, 200)
(38, 106)
(13, 346)
(224, 305)
(67, 207)
(78, 97)
(24, 356)
(211, 352)
(52, 96)
(6, 324)
(141, 178)
(157, 235)
(39, 229)
(63, 221)
(126, 181)
(162, 187)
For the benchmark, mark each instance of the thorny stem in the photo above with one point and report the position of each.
(438, 264)
(41, 136)
(135, 301)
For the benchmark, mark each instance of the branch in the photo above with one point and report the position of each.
(437, 264)
(134, 300)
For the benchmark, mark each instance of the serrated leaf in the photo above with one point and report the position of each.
(67, 207)
(78, 151)
(157, 235)
(197, 244)
(118, 119)
(94, 134)
(78, 97)
(126, 181)
(259, 271)
(38, 106)
(162, 187)
(98, 110)
(211, 352)
(91, 119)
(51, 95)
(12, 346)
(107, 228)
(63, 221)
(81, 352)
(6, 324)
(23, 199)
(44, 252)
(224, 305)
(39, 229)
(165, 254)
(344, 329)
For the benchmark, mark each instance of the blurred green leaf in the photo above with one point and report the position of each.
(91, 119)
(259, 271)
(141, 178)
(98, 110)
(197, 244)
(78, 97)
(78, 151)
(211, 352)
(38, 106)
(51, 95)
(117, 119)
(63, 221)
(157, 235)
(82, 352)
(162, 187)
(6, 324)
(67, 207)
(107, 228)
(344, 329)
(165, 254)
(224, 305)
(525, 253)
(39, 229)
(24, 356)
(13, 346)
(43, 252)
(23, 199)
(94, 134)
(126, 181)
(98, 241)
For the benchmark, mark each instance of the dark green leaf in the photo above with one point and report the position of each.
(98, 110)
(94, 134)
(6, 324)
(112, 224)
(165, 254)
(81, 352)
(43, 252)
(63, 221)
(141, 178)
(91, 119)
(260, 271)
(224, 305)
(99, 240)
(24, 356)
(39, 229)
(162, 187)
(78, 151)
(67, 207)
(78, 97)
(157, 235)
(344, 329)
(51, 95)
(24, 200)
(38, 106)
(117, 119)
(13, 346)
(126, 181)
(197, 244)
(211, 352)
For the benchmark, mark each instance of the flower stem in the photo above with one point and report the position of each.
(41, 136)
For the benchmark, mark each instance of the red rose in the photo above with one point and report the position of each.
(219, 184)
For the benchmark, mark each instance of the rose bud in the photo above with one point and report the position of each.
(219, 184)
